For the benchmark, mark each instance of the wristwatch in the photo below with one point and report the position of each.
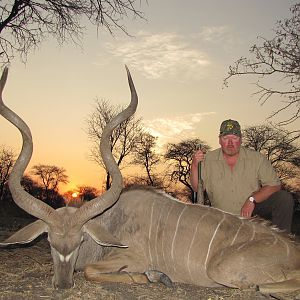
(252, 199)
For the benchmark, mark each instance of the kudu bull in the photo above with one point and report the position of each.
(143, 229)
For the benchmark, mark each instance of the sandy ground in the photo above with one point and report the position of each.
(26, 272)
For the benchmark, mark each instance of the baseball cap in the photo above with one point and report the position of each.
(230, 127)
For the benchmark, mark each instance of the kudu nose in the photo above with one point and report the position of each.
(62, 284)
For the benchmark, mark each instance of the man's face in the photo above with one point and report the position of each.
(230, 144)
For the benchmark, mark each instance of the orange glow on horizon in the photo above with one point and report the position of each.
(69, 187)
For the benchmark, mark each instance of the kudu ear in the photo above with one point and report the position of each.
(100, 235)
(27, 233)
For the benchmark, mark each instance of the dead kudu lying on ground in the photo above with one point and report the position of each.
(142, 229)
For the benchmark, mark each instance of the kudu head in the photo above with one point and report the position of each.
(67, 226)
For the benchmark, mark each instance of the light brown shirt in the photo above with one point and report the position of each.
(228, 189)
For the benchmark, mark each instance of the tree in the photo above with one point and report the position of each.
(87, 193)
(180, 156)
(25, 24)
(50, 178)
(144, 154)
(276, 60)
(123, 139)
(32, 187)
(7, 160)
(81, 194)
(279, 147)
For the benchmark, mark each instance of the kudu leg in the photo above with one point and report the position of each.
(119, 266)
(124, 267)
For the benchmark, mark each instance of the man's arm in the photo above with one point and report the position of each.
(260, 195)
(265, 192)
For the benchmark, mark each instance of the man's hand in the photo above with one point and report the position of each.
(197, 157)
(247, 209)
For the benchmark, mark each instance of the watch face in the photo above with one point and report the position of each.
(251, 199)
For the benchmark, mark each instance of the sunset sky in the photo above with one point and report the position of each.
(178, 58)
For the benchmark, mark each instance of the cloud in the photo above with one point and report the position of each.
(214, 33)
(219, 37)
(161, 55)
(174, 129)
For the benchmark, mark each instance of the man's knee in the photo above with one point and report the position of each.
(283, 200)
(282, 210)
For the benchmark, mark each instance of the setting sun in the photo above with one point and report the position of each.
(75, 194)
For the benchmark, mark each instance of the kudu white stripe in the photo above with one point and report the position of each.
(191, 244)
(211, 241)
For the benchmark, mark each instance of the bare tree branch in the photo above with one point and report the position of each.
(123, 139)
(24, 24)
(279, 146)
(277, 61)
(144, 154)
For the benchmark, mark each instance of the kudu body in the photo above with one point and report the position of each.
(189, 243)
(195, 244)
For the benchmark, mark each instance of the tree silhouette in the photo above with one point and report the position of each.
(180, 156)
(87, 193)
(277, 61)
(122, 140)
(279, 146)
(25, 24)
(50, 177)
(32, 187)
(144, 154)
(7, 160)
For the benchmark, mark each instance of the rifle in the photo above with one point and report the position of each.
(198, 197)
